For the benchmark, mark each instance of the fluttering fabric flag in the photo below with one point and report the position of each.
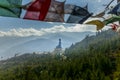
(58, 9)
(55, 12)
(44, 10)
(10, 8)
(118, 0)
(118, 30)
(37, 10)
(114, 26)
(100, 15)
(115, 10)
(111, 20)
(99, 24)
(78, 15)
(68, 8)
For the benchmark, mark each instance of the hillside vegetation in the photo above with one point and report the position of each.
(94, 58)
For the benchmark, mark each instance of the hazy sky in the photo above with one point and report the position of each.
(94, 6)
(7, 24)
(21, 28)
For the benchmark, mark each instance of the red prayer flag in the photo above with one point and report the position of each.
(56, 12)
(114, 26)
(38, 10)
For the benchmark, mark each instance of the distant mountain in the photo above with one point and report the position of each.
(94, 41)
(49, 42)
(19, 45)
(7, 42)
(36, 45)
(100, 60)
(68, 37)
(98, 47)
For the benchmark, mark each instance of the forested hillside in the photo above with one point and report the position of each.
(105, 39)
(94, 58)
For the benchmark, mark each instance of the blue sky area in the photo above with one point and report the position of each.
(18, 35)
(94, 6)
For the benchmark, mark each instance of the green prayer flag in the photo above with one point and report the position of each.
(111, 20)
(10, 8)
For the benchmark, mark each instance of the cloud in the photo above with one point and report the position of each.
(24, 32)
(99, 0)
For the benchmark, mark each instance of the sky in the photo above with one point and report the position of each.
(18, 27)
(8, 24)
(22, 28)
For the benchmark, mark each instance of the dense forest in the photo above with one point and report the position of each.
(94, 58)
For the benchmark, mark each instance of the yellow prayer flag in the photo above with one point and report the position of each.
(98, 23)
